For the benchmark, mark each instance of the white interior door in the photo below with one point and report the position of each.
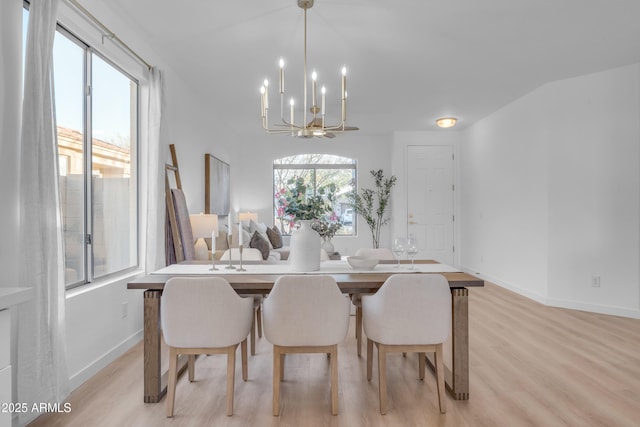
(430, 200)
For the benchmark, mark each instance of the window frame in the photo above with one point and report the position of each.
(87, 140)
(315, 167)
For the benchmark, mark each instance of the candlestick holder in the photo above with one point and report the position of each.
(229, 267)
(213, 260)
(240, 250)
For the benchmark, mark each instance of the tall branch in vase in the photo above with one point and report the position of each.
(363, 203)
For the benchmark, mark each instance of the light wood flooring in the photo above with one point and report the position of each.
(530, 365)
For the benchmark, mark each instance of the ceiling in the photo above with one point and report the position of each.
(409, 61)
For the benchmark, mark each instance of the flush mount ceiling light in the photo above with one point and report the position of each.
(446, 122)
(316, 126)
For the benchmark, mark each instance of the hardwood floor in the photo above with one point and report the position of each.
(531, 365)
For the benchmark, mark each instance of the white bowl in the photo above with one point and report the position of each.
(362, 263)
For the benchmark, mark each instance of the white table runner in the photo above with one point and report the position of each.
(326, 267)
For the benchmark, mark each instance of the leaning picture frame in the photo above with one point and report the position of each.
(216, 186)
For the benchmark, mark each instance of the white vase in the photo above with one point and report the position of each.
(328, 247)
(305, 248)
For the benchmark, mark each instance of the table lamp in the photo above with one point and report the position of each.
(204, 225)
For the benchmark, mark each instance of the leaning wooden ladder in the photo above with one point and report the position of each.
(171, 210)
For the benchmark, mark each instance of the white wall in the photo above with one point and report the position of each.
(551, 193)
(594, 168)
(504, 181)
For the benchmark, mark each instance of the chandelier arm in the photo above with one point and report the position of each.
(277, 132)
(282, 106)
(336, 128)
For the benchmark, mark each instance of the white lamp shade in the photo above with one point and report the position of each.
(204, 225)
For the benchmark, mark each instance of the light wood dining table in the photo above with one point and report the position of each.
(259, 279)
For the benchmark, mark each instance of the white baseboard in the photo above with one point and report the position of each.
(594, 308)
(93, 368)
(559, 303)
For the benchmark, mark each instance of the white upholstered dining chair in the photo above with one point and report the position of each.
(305, 314)
(381, 254)
(204, 315)
(409, 313)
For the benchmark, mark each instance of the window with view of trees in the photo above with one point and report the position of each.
(317, 171)
(96, 109)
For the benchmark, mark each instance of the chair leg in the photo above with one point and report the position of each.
(334, 380)
(259, 320)
(191, 364)
(359, 328)
(282, 366)
(421, 363)
(253, 338)
(276, 380)
(171, 386)
(382, 377)
(369, 358)
(440, 378)
(231, 376)
(245, 366)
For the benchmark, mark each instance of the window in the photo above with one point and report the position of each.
(97, 128)
(317, 170)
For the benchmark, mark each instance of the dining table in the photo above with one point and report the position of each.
(258, 278)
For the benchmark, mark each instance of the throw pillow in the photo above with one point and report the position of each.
(258, 242)
(274, 237)
(260, 228)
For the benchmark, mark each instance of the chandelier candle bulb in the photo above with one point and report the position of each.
(324, 91)
(344, 82)
(266, 94)
(262, 100)
(344, 94)
(291, 103)
(281, 75)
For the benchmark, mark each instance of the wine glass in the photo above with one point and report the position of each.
(399, 246)
(412, 248)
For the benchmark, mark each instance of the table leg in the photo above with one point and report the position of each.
(457, 378)
(152, 339)
(155, 377)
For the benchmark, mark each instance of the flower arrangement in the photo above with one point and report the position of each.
(327, 227)
(295, 203)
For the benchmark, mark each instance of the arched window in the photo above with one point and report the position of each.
(317, 171)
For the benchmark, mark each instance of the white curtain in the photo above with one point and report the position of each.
(153, 146)
(42, 371)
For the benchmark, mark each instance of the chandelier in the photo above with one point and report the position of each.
(316, 126)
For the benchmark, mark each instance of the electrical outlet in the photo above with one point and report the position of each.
(595, 281)
(125, 309)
